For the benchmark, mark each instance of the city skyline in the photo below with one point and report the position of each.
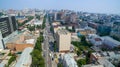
(94, 6)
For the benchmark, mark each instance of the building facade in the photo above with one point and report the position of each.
(63, 38)
(68, 61)
(8, 25)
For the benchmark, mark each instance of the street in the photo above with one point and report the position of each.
(47, 52)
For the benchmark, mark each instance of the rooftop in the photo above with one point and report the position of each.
(92, 65)
(98, 39)
(70, 60)
(111, 40)
(106, 63)
(113, 54)
(25, 58)
(30, 41)
(62, 31)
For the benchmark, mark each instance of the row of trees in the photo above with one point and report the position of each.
(37, 58)
(55, 46)
(44, 21)
(37, 16)
(13, 58)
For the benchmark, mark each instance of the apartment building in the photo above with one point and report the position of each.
(63, 38)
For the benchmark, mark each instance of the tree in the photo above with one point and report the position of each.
(88, 56)
(31, 28)
(44, 21)
(13, 58)
(81, 62)
(79, 52)
(82, 38)
(37, 16)
(38, 26)
(55, 46)
(37, 59)
(60, 65)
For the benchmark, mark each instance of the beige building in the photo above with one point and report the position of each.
(63, 38)
(86, 31)
(56, 24)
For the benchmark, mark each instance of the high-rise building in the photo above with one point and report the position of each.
(63, 38)
(7, 26)
(1, 41)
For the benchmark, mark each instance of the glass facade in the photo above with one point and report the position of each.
(8, 25)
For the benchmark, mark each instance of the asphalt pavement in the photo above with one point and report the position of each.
(47, 51)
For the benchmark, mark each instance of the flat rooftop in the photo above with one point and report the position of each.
(25, 58)
(70, 60)
(114, 54)
(62, 31)
(111, 40)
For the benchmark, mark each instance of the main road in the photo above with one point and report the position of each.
(47, 52)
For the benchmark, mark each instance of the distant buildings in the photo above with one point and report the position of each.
(116, 31)
(56, 26)
(93, 25)
(63, 39)
(85, 31)
(68, 61)
(21, 19)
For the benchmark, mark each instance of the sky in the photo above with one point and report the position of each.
(94, 6)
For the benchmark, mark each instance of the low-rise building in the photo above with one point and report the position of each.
(68, 61)
(56, 23)
(85, 31)
(110, 42)
(25, 58)
(56, 28)
(96, 40)
(93, 65)
(74, 37)
(107, 58)
(18, 47)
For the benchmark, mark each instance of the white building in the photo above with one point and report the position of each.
(25, 58)
(30, 41)
(1, 42)
(110, 42)
(68, 61)
(96, 41)
(38, 22)
(92, 65)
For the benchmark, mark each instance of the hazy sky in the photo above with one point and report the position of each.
(97, 6)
